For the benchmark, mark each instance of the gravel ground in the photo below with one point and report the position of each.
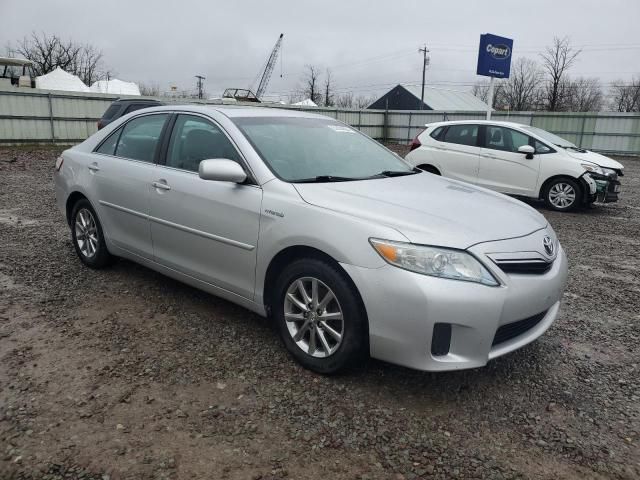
(124, 373)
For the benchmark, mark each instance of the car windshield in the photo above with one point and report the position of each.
(322, 150)
(550, 137)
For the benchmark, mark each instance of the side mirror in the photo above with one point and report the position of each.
(528, 150)
(222, 170)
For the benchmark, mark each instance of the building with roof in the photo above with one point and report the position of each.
(406, 97)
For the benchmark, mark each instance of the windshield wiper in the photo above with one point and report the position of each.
(325, 178)
(395, 173)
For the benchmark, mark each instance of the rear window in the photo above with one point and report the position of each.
(462, 134)
(437, 133)
(111, 111)
(137, 106)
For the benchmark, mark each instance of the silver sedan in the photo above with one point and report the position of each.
(296, 216)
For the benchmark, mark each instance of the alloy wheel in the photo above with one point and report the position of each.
(86, 233)
(562, 195)
(313, 317)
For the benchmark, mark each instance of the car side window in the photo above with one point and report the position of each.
(195, 139)
(140, 137)
(108, 146)
(506, 139)
(461, 135)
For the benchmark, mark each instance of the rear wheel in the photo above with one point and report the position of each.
(87, 235)
(562, 194)
(429, 169)
(319, 316)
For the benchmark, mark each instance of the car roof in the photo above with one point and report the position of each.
(232, 111)
(479, 122)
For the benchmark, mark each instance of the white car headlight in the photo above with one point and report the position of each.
(591, 167)
(434, 261)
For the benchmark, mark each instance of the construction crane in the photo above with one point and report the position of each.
(247, 95)
(268, 70)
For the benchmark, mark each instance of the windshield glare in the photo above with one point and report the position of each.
(298, 149)
(550, 137)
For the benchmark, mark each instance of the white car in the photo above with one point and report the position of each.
(517, 160)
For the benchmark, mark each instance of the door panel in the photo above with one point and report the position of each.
(502, 167)
(206, 229)
(203, 228)
(459, 155)
(122, 188)
(123, 170)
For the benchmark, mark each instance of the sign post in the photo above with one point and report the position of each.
(494, 61)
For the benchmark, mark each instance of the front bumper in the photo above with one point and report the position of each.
(607, 187)
(404, 307)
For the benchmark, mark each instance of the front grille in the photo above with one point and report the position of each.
(512, 330)
(530, 267)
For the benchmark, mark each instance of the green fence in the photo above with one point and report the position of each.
(32, 116)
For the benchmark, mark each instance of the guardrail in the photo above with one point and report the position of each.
(34, 116)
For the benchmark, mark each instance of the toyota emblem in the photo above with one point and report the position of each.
(548, 245)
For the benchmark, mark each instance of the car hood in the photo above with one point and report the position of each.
(428, 209)
(596, 158)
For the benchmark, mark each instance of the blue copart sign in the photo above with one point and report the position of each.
(494, 56)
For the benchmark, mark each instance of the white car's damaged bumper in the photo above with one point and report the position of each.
(435, 324)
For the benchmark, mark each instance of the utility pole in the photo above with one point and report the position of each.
(425, 61)
(200, 79)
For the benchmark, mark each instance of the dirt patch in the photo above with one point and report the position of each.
(124, 373)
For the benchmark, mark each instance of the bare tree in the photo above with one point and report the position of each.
(88, 65)
(584, 95)
(481, 90)
(556, 60)
(625, 97)
(521, 91)
(362, 101)
(312, 84)
(149, 89)
(295, 97)
(48, 52)
(328, 92)
(345, 100)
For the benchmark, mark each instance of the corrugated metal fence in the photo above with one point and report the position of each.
(30, 115)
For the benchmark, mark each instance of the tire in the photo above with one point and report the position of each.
(562, 194)
(429, 169)
(90, 246)
(300, 327)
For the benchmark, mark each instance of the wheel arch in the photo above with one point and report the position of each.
(72, 199)
(549, 180)
(296, 252)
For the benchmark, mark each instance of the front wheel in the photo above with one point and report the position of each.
(562, 194)
(319, 316)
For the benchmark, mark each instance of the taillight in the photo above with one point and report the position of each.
(59, 162)
(415, 143)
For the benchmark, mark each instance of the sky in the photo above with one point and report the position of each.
(369, 46)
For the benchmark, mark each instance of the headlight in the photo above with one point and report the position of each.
(590, 167)
(434, 261)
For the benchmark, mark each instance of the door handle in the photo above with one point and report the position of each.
(94, 167)
(161, 185)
